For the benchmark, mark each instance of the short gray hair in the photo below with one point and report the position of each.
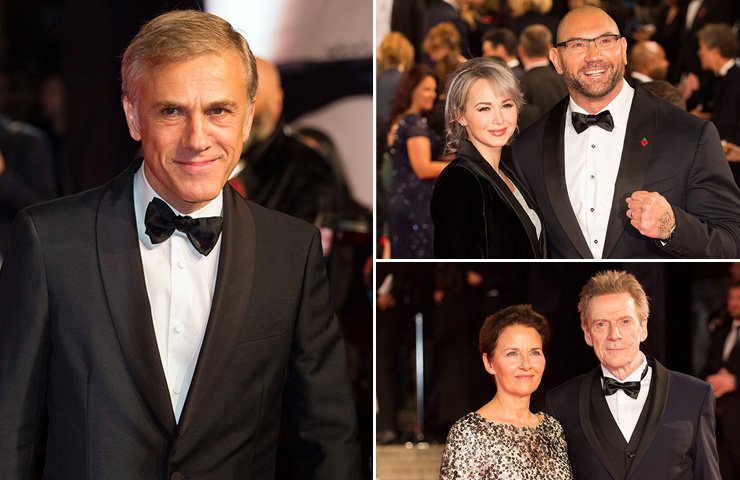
(610, 282)
(179, 35)
(493, 70)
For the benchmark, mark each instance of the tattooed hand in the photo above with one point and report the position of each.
(651, 214)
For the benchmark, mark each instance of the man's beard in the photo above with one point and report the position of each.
(595, 90)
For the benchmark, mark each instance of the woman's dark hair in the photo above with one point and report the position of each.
(514, 315)
(410, 80)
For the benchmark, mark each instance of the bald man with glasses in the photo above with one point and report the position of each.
(618, 172)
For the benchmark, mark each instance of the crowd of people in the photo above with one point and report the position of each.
(654, 179)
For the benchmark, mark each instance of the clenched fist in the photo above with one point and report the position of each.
(651, 214)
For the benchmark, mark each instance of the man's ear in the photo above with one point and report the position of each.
(587, 335)
(248, 123)
(555, 59)
(132, 119)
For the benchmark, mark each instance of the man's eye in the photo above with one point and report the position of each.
(578, 44)
(218, 111)
(169, 111)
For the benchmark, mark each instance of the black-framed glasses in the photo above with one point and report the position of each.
(580, 45)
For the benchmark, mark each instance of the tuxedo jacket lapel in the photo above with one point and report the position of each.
(553, 164)
(636, 154)
(657, 402)
(468, 150)
(234, 283)
(125, 288)
(584, 407)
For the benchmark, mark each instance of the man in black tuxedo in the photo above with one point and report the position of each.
(631, 417)
(721, 371)
(645, 180)
(543, 87)
(135, 343)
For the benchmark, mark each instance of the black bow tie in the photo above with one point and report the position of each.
(581, 121)
(611, 385)
(161, 222)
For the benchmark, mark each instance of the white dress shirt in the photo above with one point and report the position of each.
(592, 161)
(625, 409)
(180, 284)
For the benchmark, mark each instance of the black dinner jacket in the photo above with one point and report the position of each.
(678, 441)
(78, 350)
(666, 150)
(475, 214)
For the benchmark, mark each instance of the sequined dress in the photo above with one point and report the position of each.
(479, 449)
(409, 222)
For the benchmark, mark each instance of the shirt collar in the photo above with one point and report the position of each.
(619, 107)
(641, 77)
(634, 376)
(541, 63)
(144, 193)
(454, 4)
(726, 67)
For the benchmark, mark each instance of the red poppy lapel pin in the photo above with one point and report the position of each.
(644, 141)
(702, 13)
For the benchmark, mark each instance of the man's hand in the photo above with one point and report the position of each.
(689, 86)
(723, 382)
(731, 150)
(651, 214)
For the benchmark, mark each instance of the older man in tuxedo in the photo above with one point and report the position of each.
(631, 417)
(156, 327)
(618, 172)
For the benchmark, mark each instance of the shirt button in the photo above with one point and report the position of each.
(596, 241)
(592, 209)
(592, 177)
(181, 264)
(593, 146)
(179, 328)
(177, 390)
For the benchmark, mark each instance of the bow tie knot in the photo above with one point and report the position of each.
(582, 121)
(161, 222)
(612, 385)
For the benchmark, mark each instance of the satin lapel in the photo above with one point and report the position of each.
(125, 289)
(584, 403)
(469, 151)
(636, 154)
(553, 166)
(231, 296)
(657, 402)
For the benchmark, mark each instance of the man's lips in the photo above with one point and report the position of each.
(595, 70)
(195, 165)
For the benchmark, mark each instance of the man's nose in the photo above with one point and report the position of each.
(196, 137)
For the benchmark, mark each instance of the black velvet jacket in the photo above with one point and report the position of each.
(476, 215)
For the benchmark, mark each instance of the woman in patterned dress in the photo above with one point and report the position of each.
(413, 148)
(504, 439)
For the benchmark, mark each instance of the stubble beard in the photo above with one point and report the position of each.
(595, 90)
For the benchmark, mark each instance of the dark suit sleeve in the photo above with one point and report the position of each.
(457, 210)
(706, 460)
(708, 225)
(318, 404)
(30, 178)
(25, 349)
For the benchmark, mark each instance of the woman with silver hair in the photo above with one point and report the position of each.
(479, 208)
